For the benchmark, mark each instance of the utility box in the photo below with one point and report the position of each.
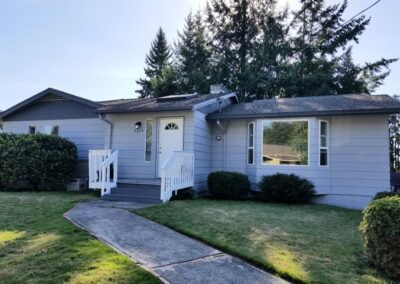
(78, 184)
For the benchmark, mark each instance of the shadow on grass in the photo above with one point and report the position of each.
(38, 245)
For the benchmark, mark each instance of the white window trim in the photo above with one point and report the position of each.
(323, 147)
(145, 138)
(248, 142)
(308, 142)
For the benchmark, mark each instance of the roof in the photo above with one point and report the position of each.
(49, 91)
(312, 106)
(177, 102)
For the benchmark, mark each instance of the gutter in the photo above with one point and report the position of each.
(102, 118)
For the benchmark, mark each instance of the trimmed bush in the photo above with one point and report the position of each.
(39, 162)
(384, 194)
(228, 185)
(286, 188)
(380, 230)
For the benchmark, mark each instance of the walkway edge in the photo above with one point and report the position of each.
(162, 279)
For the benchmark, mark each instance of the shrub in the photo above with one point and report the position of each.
(384, 194)
(228, 185)
(36, 161)
(286, 188)
(183, 194)
(380, 230)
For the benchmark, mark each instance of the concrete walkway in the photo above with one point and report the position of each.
(171, 256)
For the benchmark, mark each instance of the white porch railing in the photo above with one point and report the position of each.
(103, 170)
(176, 173)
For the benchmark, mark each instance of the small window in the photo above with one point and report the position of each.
(250, 144)
(171, 126)
(1, 128)
(323, 143)
(44, 129)
(149, 138)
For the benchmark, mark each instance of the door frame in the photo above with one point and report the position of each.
(159, 118)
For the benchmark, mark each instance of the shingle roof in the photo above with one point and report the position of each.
(312, 106)
(152, 104)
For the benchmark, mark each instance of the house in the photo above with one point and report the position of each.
(145, 149)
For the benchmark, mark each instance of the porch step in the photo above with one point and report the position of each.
(138, 190)
(139, 186)
(131, 198)
(143, 181)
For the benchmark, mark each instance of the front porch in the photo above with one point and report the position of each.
(176, 173)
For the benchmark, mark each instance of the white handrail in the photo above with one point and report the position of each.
(109, 181)
(96, 157)
(103, 170)
(177, 172)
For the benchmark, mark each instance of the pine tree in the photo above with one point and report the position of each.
(192, 56)
(157, 59)
(247, 39)
(319, 65)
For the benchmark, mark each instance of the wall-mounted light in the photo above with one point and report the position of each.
(218, 138)
(138, 125)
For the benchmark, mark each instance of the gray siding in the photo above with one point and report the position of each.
(87, 134)
(358, 157)
(52, 109)
(202, 149)
(131, 144)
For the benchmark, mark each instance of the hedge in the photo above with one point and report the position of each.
(228, 185)
(286, 188)
(38, 161)
(380, 230)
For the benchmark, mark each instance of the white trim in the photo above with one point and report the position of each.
(248, 143)
(224, 97)
(327, 143)
(286, 120)
(145, 140)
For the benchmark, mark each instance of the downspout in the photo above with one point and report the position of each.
(109, 140)
(221, 127)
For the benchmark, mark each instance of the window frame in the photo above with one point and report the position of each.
(252, 124)
(150, 120)
(36, 129)
(327, 143)
(286, 120)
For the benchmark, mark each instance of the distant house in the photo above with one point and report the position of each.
(145, 149)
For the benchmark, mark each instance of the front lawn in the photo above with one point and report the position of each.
(37, 245)
(308, 243)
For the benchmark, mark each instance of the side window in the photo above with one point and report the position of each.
(149, 138)
(323, 142)
(250, 143)
(32, 130)
(1, 128)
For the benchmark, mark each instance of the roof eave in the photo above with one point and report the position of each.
(216, 116)
(142, 110)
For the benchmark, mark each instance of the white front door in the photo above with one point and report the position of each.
(170, 138)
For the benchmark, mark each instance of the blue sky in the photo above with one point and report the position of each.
(96, 48)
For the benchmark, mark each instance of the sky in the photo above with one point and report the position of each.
(96, 48)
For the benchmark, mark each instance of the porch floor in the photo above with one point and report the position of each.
(144, 181)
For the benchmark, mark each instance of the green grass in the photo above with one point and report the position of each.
(37, 245)
(308, 243)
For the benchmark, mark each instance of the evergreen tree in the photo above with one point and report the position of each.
(247, 38)
(192, 56)
(157, 59)
(320, 67)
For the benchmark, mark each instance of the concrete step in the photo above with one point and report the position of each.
(147, 181)
(139, 186)
(131, 198)
(137, 191)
